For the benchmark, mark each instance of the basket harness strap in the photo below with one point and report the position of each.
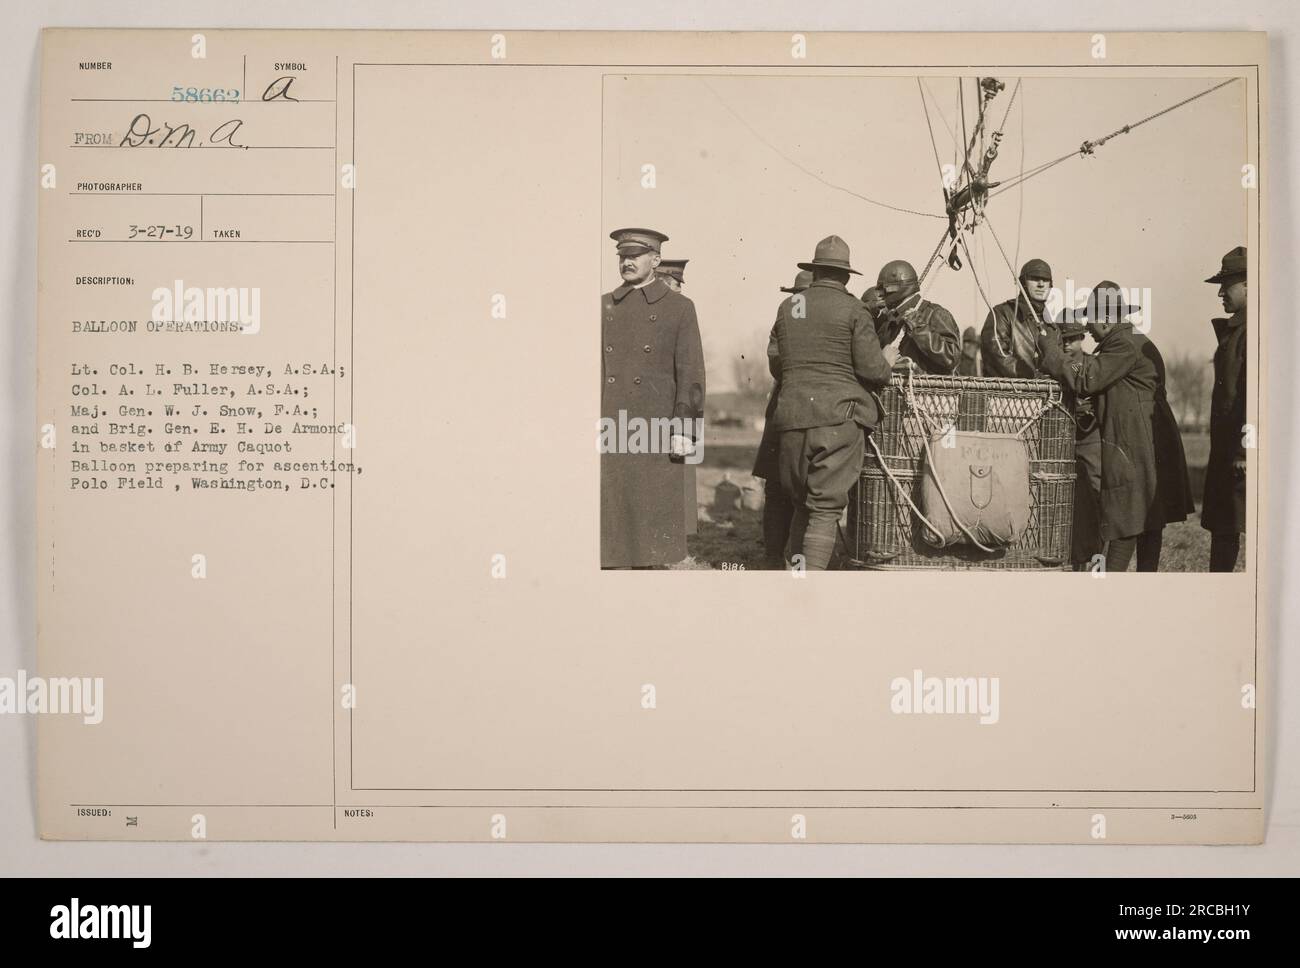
(933, 428)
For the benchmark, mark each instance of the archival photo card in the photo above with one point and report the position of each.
(908, 486)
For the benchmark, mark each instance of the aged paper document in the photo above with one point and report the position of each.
(970, 322)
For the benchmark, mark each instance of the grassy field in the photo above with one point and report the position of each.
(734, 540)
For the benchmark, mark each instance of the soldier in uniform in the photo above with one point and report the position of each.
(824, 353)
(1173, 488)
(777, 507)
(652, 371)
(930, 337)
(1086, 534)
(1223, 508)
(1122, 382)
(1009, 341)
(969, 364)
(673, 273)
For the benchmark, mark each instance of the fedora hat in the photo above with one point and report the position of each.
(1109, 295)
(1233, 267)
(802, 280)
(832, 253)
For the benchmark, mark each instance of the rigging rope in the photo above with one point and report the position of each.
(1020, 199)
(957, 109)
(938, 110)
(997, 341)
(933, 144)
(1014, 91)
(1019, 284)
(934, 430)
(933, 255)
(809, 172)
(961, 97)
(1089, 147)
(902, 491)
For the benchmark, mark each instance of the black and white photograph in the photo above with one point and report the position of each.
(891, 322)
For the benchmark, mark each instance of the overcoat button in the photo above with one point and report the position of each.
(653, 317)
(646, 348)
(610, 380)
(637, 381)
(609, 349)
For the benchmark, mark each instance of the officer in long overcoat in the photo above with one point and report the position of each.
(824, 352)
(652, 375)
(1171, 460)
(1122, 383)
(673, 273)
(1223, 509)
(1086, 535)
(1172, 482)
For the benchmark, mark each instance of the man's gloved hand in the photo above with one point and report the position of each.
(680, 446)
(874, 300)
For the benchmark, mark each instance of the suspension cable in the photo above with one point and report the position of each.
(961, 97)
(938, 109)
(933, 255)
(1029, 303)
(1090, 146)
(809, 172)
(933, 144)
(1020, 195)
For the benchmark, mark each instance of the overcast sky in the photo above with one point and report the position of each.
(742, 165)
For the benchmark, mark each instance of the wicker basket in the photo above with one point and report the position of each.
(883, 530)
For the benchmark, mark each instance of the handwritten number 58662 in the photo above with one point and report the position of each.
(204, 94)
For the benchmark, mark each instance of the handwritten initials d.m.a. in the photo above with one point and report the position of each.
(144, 133)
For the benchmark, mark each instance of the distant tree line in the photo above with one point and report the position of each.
(1189, 379)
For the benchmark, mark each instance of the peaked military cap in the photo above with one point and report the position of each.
(673, 267)
(635, 241)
